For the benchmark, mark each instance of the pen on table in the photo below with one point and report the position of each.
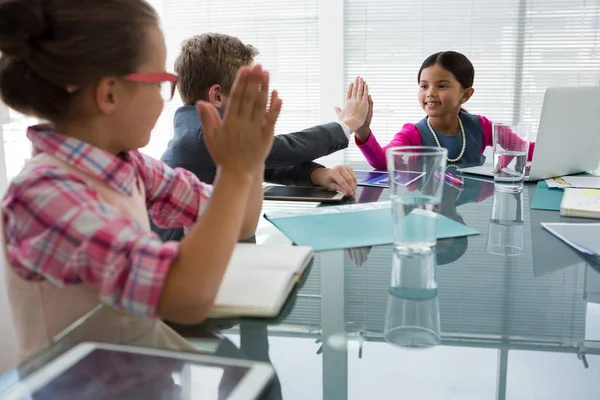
(450, 179)
(454, 179)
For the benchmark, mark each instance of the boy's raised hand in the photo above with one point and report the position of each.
(356, 106)
(243, 139)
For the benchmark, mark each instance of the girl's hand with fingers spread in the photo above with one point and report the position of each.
(362, 133)
(243, 139)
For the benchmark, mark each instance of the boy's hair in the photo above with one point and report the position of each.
(458, 65)
(49, 49)
(209, 59)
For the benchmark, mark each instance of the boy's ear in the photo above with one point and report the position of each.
(215, 97)
(467, 94)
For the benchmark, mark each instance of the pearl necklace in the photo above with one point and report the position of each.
(464, 140)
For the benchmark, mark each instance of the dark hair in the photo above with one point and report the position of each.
(50, 48)
(458, 65)
(209, 59)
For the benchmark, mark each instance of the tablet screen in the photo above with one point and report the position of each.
(104, 374)
(372, 178)
(381, 178)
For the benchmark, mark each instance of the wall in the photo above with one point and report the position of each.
(7, 336)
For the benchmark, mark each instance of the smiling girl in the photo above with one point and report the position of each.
(445, 83)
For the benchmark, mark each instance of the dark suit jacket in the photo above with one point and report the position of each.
(288, 163)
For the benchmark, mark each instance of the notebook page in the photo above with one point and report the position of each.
(253, 292)
(586, 200)
(293, 259)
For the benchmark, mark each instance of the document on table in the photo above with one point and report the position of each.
(581, 182)
(582, 237)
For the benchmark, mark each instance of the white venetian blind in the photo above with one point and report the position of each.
(286, 35)
(560, 49)
(518, 49)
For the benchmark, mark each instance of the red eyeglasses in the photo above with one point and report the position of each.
(167, 81)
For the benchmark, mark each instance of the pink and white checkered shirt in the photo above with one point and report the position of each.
(58, 229)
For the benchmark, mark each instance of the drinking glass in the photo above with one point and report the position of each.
(416, 177)
(511, 147)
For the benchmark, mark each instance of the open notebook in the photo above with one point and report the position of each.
(583, 203)
(259, 280)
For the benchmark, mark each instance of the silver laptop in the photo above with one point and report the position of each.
(568, 139)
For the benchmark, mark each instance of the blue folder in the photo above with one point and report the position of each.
(546, 198)
(341, 230)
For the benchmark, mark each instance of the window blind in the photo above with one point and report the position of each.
(518, 49)
(560, 49)
(286, 35)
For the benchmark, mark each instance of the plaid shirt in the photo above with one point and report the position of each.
(57, 228)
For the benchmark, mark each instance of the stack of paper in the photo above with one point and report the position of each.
(582, 182)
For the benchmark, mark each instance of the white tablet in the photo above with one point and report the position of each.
(301, 193)
(94, 371)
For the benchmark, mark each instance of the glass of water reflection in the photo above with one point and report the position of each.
(511, 147)
(506, 230)
(417, 175)
(412, 315)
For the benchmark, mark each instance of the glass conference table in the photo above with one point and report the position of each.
(512, 327)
